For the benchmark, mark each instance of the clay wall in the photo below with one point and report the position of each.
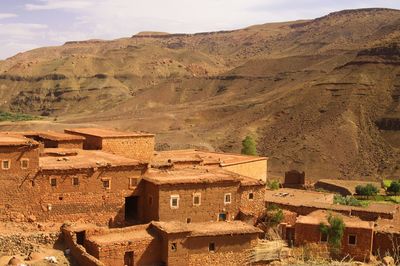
(65, 144)
(89, 200)
(229, 250)
(294, 179)
(256, 170)
(310, 233)
(140, 147)
(254, 205)
(333, 188)
(78, 252)
(212, 202)
(15, 156)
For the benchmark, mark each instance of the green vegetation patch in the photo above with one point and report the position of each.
(14, 117)
(349, 201)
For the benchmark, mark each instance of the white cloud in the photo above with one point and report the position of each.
(7, 15)
(57, 4)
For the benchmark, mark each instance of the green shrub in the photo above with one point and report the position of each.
(274, 215)
(249, 146)
(348, 200)
(6, 116)
(334, 231)
(394, 188)
(367, 190)
(273, 185)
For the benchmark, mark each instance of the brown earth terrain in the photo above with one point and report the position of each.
(320, 95)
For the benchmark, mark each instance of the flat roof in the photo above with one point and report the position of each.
(316, 217)
(51, 135)
(348, 184)
(190, 176)
(321, 200)
(7, 139)
(65, 159)
(138, 232)
(207, 157)
(207, 228)
(106, 133)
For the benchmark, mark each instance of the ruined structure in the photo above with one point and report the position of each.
(175, 207)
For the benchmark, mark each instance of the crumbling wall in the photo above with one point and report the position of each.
(333, 188)
(294, 179)
(78, 251)
(386, 243)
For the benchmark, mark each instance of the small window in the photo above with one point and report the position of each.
(173, 247)
(251, 196)
(5, 164)
(227, 198)
(196, 199)
(106, 183)
(24, 163)
(133, 181)
(352, 239)
(174, 201)
(75, 181)
(188, 220)
(53, 182)
(211, 247)
(324, 238)
(150, 200)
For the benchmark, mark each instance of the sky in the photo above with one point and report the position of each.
(28, 24)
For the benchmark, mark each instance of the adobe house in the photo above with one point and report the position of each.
(387, 236)
(199, 195)
(164, 243)
(246, 165)
(357, 239)
(51, 139)
(135, 145)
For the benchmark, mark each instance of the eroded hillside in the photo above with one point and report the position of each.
(320, 95)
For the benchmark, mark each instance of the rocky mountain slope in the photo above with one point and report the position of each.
(319, 95)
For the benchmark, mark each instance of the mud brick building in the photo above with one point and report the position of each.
(165, 243)
(134, 145)
(185, 206)
(357, 239)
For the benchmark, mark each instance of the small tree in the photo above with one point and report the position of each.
(249, 146)
(367, 190)
(334, 231)
(394, 187)
(273, 216)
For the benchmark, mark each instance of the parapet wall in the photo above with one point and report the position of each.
(139, 147)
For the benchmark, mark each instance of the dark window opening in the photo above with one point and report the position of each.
(188, 220)
(131, 208)
(75, 181)
(80, 237)
(211, 247)
(60, 198)
(106, 184)
(173, 246)
(222, 216)
(53, 182)
(251, 195)
(129, 258)
(352, 239)
(324, 237)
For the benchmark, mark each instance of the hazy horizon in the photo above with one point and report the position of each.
(29, 24)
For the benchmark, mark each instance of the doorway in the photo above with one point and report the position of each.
(129, 258)
(131, 208)
(80, 237)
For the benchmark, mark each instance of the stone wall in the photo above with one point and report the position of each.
(255, 205)
(65, 144)
(256, 170)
